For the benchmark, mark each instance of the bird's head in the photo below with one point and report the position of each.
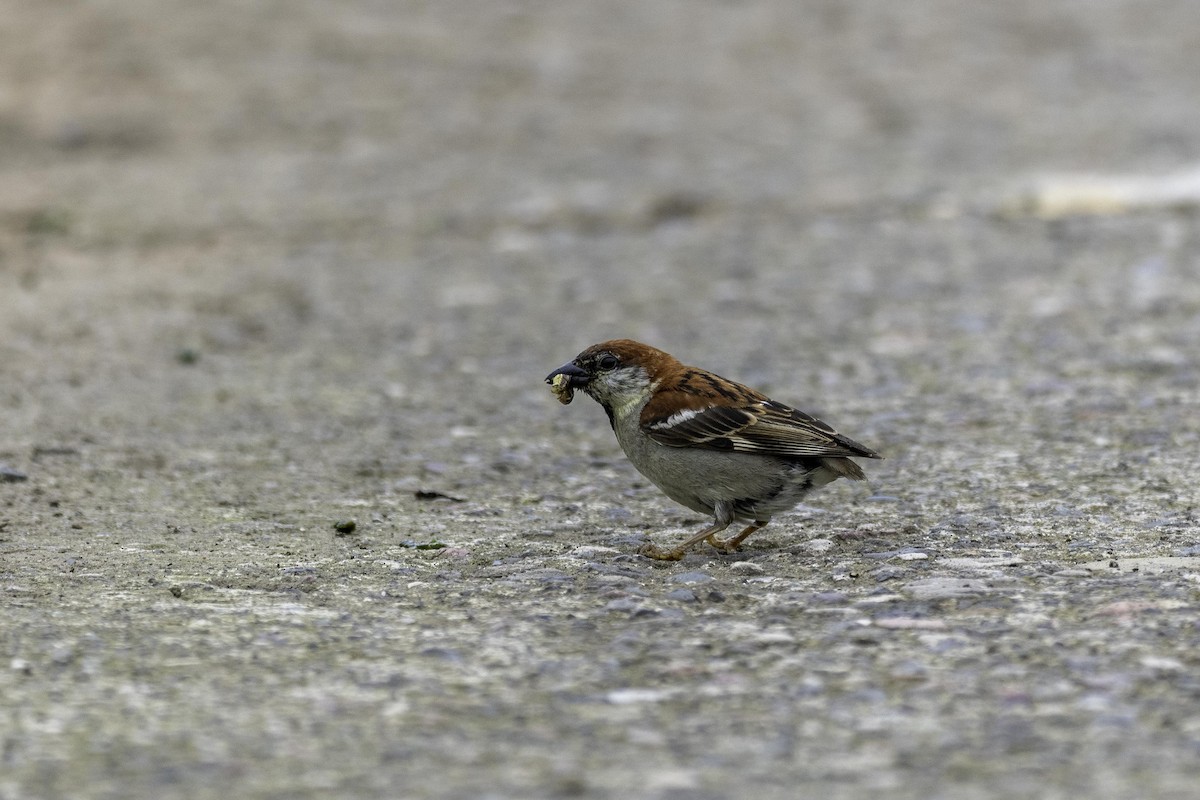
(617, 374)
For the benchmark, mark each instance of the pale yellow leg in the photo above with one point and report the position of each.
(731, 544)
(676, 553)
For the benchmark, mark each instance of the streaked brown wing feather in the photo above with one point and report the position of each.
(712, 427)
(764, 427)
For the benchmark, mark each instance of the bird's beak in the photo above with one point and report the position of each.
(576, 377)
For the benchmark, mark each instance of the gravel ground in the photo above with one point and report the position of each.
(268, 269)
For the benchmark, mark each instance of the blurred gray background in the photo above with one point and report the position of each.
(269, 267)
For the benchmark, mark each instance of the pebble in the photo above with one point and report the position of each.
(614, 579)
(945, 588)
(682, 595)
(909, 623)
(879, 599)
(591, 551)
(981, 563)
(1163, 664)
(541, 575)
(10, 475)
(888, 573)
(909, 671)
(62, 655)
(621, 604)
(904, 553)
(634, 696)
(692, 577)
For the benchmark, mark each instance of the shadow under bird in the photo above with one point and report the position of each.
(715, 446)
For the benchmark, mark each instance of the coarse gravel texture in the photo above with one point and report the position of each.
(286, 509)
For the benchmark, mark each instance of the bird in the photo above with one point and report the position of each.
(715, 446)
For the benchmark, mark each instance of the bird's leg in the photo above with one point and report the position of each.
(676, 553)
(731, 544)
(723, 517)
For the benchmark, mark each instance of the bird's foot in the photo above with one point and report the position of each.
(658, 554)
(725, 546)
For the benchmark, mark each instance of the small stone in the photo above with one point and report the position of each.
(888, 573)
(637, 696)
(442, 653)
(945, 588)
(345, 527)
(878, 598)
(591, 551)
(62, 655)
(621, 604)
(692, 577)
(909, 624)
(452, 552)
(905, 553)
(1163, 664)
(187, 356)
(909, 671)
(981, 563)
(10, 475)
(682, 595)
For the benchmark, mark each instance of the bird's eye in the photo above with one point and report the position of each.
(608, 361)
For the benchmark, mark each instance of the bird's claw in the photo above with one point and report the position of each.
(724, 546)
(658, 554)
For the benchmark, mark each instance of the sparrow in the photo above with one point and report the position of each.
(712, 445)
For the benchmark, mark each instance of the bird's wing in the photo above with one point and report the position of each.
(761, 426)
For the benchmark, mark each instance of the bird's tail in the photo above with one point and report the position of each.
(844, 468)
